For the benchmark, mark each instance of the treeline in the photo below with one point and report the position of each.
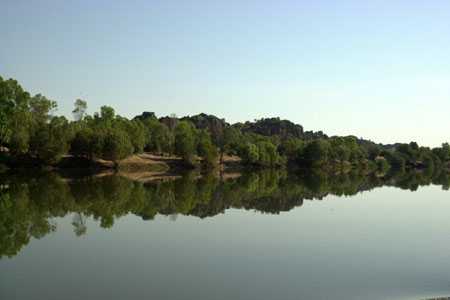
(29, 129)
(341, 152)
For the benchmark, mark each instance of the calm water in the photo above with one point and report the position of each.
(264, 235)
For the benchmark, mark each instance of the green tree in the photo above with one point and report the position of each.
(136, 132)
(160, 138)
(106, 117)
(443, 152)
(185, 142)
(291, 147)
(230, 141)
(82, 145)
(13, 95)
(51, 141)
(5, 130)
(249, 154)
(395, 159)
(267, 154)
(373, 151)
(14, 116)
(41, 109)
(316, 152)
(20, 125)
(206, 149)
(116, 145)
(107, 113)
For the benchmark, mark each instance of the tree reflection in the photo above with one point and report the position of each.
(79, 224)
(29, 204)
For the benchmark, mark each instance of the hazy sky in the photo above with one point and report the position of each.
(379, 70)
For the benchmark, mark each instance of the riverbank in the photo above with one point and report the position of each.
(147, 167)
(144, 166)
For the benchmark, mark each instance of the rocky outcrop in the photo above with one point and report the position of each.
(274, 126)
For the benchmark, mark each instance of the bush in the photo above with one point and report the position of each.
(116, 145)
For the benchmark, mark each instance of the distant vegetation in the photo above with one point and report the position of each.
(31, 132)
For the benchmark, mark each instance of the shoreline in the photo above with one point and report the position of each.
(150, 167)
(141, 167)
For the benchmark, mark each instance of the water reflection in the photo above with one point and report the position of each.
(28, 204)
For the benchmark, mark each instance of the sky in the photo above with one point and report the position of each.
(374, 69)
